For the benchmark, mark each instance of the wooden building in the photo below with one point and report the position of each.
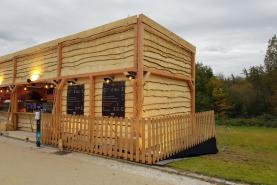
(130, 68)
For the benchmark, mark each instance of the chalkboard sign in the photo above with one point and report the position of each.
(75, 99)
(113, 99)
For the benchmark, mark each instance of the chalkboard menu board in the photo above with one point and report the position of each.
(113, 99)
(75, 99)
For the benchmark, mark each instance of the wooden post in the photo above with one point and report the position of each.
(59, 96)
(14, 104)
(193, 83)
(92, 96)
(139, 62)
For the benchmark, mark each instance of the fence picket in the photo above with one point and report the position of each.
(145, 140)
(137, 139)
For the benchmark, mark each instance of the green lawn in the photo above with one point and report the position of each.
(247, 154)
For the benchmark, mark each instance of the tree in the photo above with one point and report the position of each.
(270, 80)
(221, 104)
(203, 92)
(270, 60)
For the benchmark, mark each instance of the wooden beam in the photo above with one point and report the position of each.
(146, 76)
(92, 96)
(37, 81)
(100, 73)
(59, 65)
(86, 75)
(139, 63)
(14, 103)
(167, 74)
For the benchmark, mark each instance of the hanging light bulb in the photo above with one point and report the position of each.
(108, 80)
(131, 75)
(1, 90)
(25, 88)
(51, 86)
(7, 90)
(46, 86)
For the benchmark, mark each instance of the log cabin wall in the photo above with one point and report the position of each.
(172, 91)
(163, 50)
(43, 63)
(109, 51)
(164, 96)
(6, 72)
(162, 54)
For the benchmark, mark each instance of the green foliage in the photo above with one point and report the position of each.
(220, 102)
(265, 120)
(203, 89)
(241, 97)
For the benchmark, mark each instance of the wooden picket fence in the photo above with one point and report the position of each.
(146, 140)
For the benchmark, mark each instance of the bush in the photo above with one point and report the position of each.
(265, 120)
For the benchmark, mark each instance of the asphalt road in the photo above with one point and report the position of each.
(22, 163)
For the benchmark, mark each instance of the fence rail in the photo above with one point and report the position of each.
(146, 140)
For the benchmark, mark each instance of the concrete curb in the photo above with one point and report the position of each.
(161, 168)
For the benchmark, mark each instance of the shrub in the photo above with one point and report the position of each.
(265, 120)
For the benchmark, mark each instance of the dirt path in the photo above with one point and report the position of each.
(22, 163)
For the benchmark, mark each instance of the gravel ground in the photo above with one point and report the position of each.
(22, 163)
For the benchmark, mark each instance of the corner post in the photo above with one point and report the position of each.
(92, 96)
(139, 62)
(14, 99)
(193, 83)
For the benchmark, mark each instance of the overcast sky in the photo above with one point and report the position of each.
(229, 35)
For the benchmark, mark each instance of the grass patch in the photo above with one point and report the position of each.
(246, 154)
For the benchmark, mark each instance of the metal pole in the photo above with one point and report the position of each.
(37, 118)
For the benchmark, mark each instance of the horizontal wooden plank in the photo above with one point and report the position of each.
(167, 33)
(80, 35)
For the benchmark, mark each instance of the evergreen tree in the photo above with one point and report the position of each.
(271, 55)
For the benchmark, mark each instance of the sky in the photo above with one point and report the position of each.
(229, 35)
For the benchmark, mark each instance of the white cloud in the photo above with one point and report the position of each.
(229, 35)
